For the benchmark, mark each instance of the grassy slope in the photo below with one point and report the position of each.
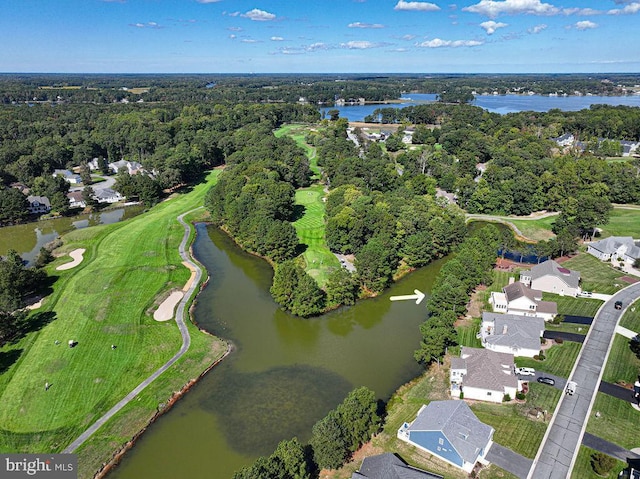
(631, 318)
(582, 469)
(622, 364)
(559, 359)
(618, 421)
(537, 230)
(105, 300)
(623, 222)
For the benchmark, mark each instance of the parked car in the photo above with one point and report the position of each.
(526, 371)
(571, 388)
(618, 305)
(585, 294)
(549, 381)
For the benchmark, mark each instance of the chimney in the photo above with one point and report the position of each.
(504, 329)
(511, 280)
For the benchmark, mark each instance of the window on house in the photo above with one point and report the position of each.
(489, 393)
(441, 441)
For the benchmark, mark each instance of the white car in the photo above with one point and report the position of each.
(526, 371)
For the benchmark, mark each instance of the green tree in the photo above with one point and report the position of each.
(359, 415)
(329, 442)
(375, 264)
(13, 205)
(438, 334)
(602, 464)
(342, 288)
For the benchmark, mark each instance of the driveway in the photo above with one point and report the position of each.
(578, 319)
(575, 337)
(562, 439)
(560, 381)
(617, 392)
(509, 461)
(607, 447)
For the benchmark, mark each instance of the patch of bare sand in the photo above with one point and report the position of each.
(165, 310)
(192, 278)
(77, 257)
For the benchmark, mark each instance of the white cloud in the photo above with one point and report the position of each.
(585, 25)
(416, 6)
(408, 37)
(362, 45)
(494, 8)
(259, 15)
(537, 28)
(249, 40)
(153, 25)
(232, 36)
(365, 25)
(317, 46)
(627, 10)
(581, 11)
(277, 39)
(439, 43)
(235, 29)
(491, 26)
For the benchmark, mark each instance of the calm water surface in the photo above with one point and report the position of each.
(285, 374)
(28, 238)
(495, 103)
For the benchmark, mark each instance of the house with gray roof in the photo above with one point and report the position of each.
(615, 247)
(390, 466)
(107, 195)
(550, 277)
(511, 333)
(38, 204)
(68, 176)
(516, 298)
(450, 431)
(483, 374)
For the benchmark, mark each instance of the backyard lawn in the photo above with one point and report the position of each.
(631, 318)
(618, 421)
(596, 276)
(582, 469)
(623, 364)
(569, 305)
(467, 334)
(559, 359)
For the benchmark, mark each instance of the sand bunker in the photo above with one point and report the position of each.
(76, 255)
(165, 310)
(192, 278)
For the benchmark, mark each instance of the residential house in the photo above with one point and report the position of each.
(632, 471)
(94, 164)
(21, 187)
(629, 148)
(76, 200)
(69, 176)
(614, 248)
(38, 204)
(483, 374)
(450, 431)
(132, 167)
(510, 333)
(516, 298)
(390, 466)
(550, 277)
(565, 140)
(107, 195)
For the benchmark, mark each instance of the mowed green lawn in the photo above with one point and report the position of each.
(297, 133)
(583, 469)
(618, 421)
(559, 359)
(107, 300)
(537, 230)
(596, 275)
(622, 365)
(631, 318)
(311, 232)
(623, 221)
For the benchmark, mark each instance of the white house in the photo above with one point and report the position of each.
(450, 431)
(516, 298)
(132, 167)
(483, 374)
(68, 176)
(38, 204)
(615, 247)
(550, 277)
(107, 195)
(76, 200)
(510, 333)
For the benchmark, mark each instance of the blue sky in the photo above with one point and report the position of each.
(323, 36)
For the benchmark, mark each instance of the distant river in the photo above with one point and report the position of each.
(495, 103)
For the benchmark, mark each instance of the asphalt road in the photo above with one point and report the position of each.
(560, 444)
(607, 447)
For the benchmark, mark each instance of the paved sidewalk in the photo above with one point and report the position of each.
(627, 333)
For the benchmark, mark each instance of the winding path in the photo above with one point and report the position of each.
(505, 220)
(186, 342)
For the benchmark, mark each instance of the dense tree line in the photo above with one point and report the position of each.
(470, 267)
(175, 142)
(16, 283)
(334, 438)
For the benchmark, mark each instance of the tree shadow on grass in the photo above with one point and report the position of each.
(298, 212)
(8, 358)
(32, 323)
(301, 248)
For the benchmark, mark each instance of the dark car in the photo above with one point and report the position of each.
(549, 381)
(618, 305)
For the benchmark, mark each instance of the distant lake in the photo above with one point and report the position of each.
(495, 103)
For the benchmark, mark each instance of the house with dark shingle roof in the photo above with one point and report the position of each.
(511, 333)
(550, 277)
(516, 298)
(38, 204)
(614, 247)
(450, 431)
(390, 466)
(483, 374)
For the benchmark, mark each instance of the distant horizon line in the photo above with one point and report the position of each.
(330, 73)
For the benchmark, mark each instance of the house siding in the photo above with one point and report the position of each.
(552, 284)
(430, 441)
(487, 394)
